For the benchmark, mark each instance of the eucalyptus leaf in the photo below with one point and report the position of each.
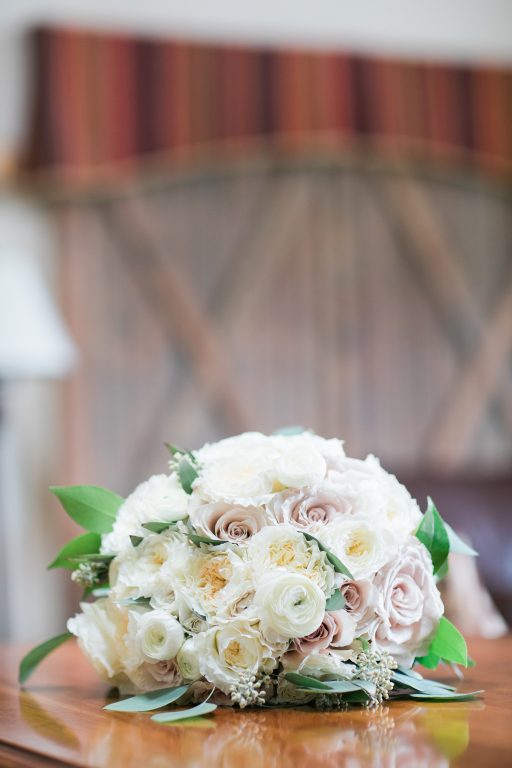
(347, 686)
(147, 702)
(457, 544)
(290, 431)
(303, 681)
(421, 685)
(434, 536)
(187, 473)
(331, 557)
(335, 601)
(93, 508)
(34, 657)
(184, 714)
(449, 644)
(158, 526)
(196, 539)
(87, 543)
(470, 696)
(136, 540)
(101, 592)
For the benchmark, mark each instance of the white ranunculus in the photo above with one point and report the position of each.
(100, 630)
(300, 465)
(410, 605)
(188, 660)
(227, 521)
(362, 546)
(289, 605)
(159, 498)
(283, 546)
(158, 636)
(227, 651)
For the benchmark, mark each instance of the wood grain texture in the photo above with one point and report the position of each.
(58, 720)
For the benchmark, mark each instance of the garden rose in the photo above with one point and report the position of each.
(228, 522)
(410, 604)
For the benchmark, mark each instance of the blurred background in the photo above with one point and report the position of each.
(223, 217)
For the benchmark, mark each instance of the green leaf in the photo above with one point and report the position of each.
(100, 592)
(136, 540)
(449, 644)
(86, 544)
(335, 601)
(433, 535)
(147, 702)
(331, 557)
(34, 657)
(184, 714)
(196, 539)
(187, 473)
(97, 558)
(430, 661)
(93, 508)
(420, 684)
(289, 431)
(157, 526)
(457, 544)
(348, 686)
(303, 681)
(175, 451)
(470, 696)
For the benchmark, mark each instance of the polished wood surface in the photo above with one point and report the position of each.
(58, 720)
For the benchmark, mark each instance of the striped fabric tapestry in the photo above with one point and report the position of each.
(105, 102)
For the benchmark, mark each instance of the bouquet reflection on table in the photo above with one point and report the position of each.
(389, 736)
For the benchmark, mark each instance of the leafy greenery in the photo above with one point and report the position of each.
(34, 657)
(184, 714)
(303, 681)
(196, 539)
(93, 508)
(430, 661)
(457, 544)
(136, 540)
(86, 544)
(147, 702)
(158, 526)
(331, 557)
(448, 643)
(420, 684)
(448, 696)
(433, 535)
(289, 431)
(335, 601)
(187, 473)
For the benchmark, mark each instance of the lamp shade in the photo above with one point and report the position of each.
(34, 342)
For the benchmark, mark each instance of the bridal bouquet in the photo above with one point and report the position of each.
(261, 571)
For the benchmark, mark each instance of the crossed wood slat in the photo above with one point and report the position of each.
(481, 344)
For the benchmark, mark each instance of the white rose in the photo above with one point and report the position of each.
(159, 498)
(100, 629)
(158, 635)
(227, 651)
(289, 605)
(410, 605)
(363, 547)
(300, 465)
(283, 546)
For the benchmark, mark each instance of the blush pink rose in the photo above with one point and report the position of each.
(318, 504)
(409, 606)
(228, 522)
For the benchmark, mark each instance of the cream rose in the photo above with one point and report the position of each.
(362, 546)
(410, 605)
(300, 465)
(228, 522)
(289, 605)
(151, 676)
(227, 651)
(283, 546)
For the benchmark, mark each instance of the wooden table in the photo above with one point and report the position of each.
(58, 720)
